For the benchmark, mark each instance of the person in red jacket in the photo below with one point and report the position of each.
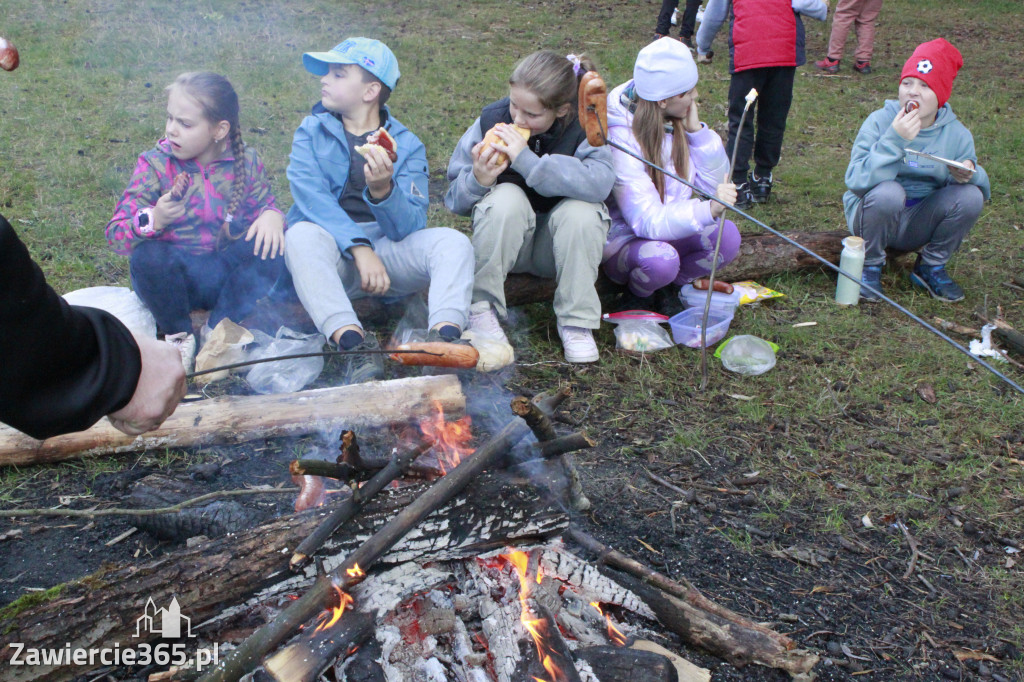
(766, 44)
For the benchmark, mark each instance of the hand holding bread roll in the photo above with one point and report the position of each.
(492, 138)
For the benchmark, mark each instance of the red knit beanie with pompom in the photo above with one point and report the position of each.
(936, 63)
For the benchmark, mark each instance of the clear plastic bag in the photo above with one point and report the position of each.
(285, 376)
(747, 355)
(121, 302)
(639, 331)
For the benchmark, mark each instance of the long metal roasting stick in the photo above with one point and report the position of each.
(322, 353)
(823, 261)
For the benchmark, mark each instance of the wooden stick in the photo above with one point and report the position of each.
(354, 503)
(304, 660)
(118, 511)
(243, 659)
(699, 620)
(544, 430)
(320, 467)
(237, 419)
(558, 651)
(564, 444)
(948, 326)
(1005, 333)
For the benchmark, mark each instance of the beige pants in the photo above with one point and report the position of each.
(860, 14)
(565, 244)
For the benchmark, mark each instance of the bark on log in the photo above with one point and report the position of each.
(210, 580)
(236, 419)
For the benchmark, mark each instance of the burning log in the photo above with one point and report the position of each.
(698, 620)
(236, 419)
(304, 660)
(618, 664)
(351, 506)
(244, 658)
(215, 579)
(552, 651)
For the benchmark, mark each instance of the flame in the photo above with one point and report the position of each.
(333, 615)
(449, 438)
(614, 633)
(355, 571)
(535, 626)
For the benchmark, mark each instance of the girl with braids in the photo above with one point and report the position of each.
(198, 219)
(536, 204)
(661, 234)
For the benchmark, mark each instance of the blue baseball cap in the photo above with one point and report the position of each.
(372, 55)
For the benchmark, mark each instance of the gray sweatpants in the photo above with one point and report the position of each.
(938, 223)
(565, 244)
(438, 259)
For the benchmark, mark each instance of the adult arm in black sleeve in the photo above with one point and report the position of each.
(62, 367)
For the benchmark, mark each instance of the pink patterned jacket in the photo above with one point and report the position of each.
(206, 200)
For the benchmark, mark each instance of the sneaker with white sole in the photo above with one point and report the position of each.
(579, 344)
(483, 320)
(185, 342)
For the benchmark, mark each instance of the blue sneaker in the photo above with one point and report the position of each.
(936, 281)
(872, 276)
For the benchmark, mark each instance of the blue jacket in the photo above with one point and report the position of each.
(879, 154)
(318, 171)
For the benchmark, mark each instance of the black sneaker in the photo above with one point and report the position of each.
(760, 188)
(434, 335)
(744, 199)
(936, 281)
(862, 67)
(687, 41)
(872, 276)
(363, 367)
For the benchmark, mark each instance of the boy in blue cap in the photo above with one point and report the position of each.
(357, 227)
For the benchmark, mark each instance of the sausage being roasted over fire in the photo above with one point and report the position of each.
(437, 354)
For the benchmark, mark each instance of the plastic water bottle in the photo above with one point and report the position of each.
(852, 261)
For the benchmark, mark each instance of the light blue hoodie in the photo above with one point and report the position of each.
(879, 154)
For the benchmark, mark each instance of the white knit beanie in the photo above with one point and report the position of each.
(664, 69)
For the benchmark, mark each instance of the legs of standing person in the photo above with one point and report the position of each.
(248, 279)
(775, 95)
(644, 265)
(865, 25)
(843, 19)
(689, 21)
(664, 24)
(322, 277)
(739, 85)
(696, 252)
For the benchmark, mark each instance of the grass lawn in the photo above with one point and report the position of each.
(838, 428)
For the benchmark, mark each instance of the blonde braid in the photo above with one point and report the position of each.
(237, 185)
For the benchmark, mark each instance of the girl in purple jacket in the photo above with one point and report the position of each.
(661, 234)
(188, 204)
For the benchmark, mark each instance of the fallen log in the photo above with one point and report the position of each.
(237, 419)
(230, 576)
(698, 620)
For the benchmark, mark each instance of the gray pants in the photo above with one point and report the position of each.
(565, 244)
(438, 258)
(938, 223)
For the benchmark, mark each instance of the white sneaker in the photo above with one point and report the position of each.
(579, 344)
(185, 342)
(483, 320)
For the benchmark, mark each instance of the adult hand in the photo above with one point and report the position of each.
(961, 176)
(907, 125)
(378, 171)
(268, 232)
(727, 193)
(166, 211)
(488, 164)
(514, 144)
(160, 388)
(373, 275)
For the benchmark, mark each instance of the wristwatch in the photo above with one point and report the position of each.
(144, 222)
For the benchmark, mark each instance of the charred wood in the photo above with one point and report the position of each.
(305, 659)
(618, 664)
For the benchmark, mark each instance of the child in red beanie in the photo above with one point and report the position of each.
(902, 200)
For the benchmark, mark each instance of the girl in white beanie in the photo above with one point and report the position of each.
(661, 233)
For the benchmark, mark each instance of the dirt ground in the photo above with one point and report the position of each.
(842, 594)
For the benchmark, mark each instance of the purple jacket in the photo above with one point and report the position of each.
(635, 207)
(207, 199)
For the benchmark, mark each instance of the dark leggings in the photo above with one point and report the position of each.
(172, 282)
(689, 17)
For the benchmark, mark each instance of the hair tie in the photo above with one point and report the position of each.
(577, 68)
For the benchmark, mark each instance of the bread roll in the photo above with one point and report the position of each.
(492, 137)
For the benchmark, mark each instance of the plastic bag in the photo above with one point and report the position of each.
(121, 302)
(751, 292)
(747, 355)
(639, 331)
(285, 376)
(225, 346)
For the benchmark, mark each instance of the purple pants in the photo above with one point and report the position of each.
(648, 265)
